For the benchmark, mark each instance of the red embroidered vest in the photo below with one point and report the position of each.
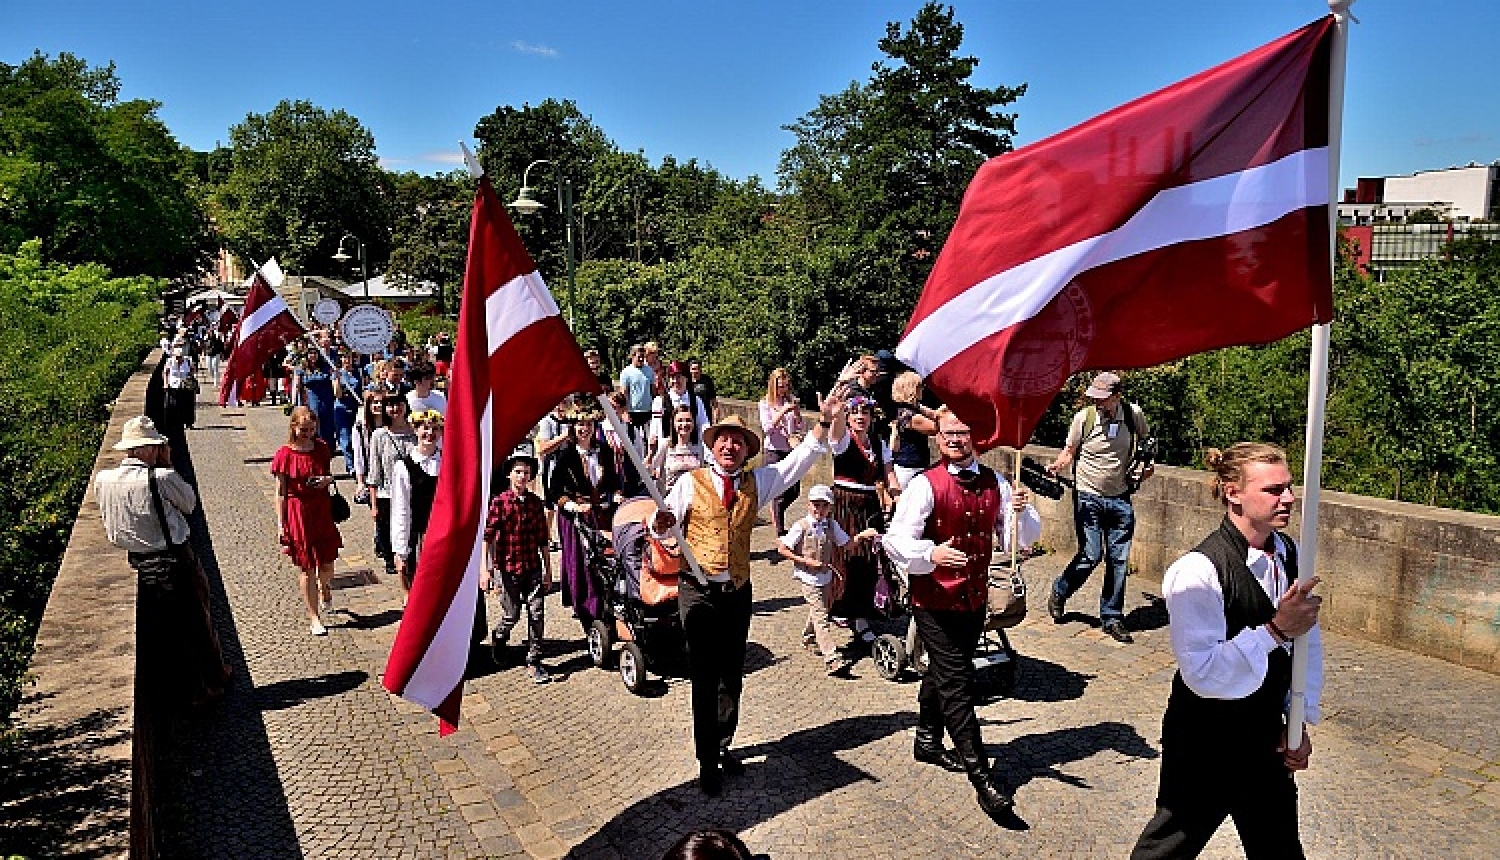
(964, 511)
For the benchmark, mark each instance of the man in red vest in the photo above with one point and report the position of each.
(943, 534)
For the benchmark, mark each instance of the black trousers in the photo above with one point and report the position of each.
(1201, 786)
(946, 699)
(716, 623)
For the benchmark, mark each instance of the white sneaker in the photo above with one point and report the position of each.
(317, 628)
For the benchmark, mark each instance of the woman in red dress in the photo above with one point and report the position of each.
(304, 513)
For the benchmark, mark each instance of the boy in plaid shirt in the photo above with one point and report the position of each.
(515, 540)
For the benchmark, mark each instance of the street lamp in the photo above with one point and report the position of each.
(364, 262)
(525, 204)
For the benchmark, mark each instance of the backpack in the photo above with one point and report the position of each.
(1136, 424)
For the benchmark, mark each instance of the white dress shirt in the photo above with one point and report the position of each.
(1218, 668)
(401, 512)
(904, 541)
(130, 520)
(770, 482)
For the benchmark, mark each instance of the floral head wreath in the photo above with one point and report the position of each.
(578, 412)
(431, 417)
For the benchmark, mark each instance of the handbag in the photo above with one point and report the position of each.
(338, 505)
(1005, 604)
(192, 385)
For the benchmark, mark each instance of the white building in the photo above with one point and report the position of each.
(1470, 191)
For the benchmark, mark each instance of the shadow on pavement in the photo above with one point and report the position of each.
(772, 605)
(219, 793)
(296, 691)
(1152, 616)
(53, 778)
(383, 618)
(1040, 680)
(1031, 756)
(800, 767)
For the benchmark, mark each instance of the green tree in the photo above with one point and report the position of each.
(96, 179)
(302, 177)
(879, 169)
(429, 239)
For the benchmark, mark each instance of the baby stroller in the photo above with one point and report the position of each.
(639, 579)
(995, 661)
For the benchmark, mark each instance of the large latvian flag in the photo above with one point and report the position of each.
(1191, 219)
(267, 325)
(514, 360)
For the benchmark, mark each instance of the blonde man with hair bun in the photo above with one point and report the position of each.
(1236, 607)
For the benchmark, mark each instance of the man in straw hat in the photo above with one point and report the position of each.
(716, 506)
(145, 504)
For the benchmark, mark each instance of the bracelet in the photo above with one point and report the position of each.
(1276, 633)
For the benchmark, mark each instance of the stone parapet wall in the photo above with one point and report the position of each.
(80, 718)
(1419, 578)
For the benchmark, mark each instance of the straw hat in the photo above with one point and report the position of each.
(138, 433)
(733, 422)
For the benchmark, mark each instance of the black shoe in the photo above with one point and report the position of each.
(730, 765)
(1117, 632)
(995, 799)
(710, 781)
(1057, 607)
(933, 752)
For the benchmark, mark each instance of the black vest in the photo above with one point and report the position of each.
(423, 491)
(1254, 722)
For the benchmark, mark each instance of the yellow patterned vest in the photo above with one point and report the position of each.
(720, 539)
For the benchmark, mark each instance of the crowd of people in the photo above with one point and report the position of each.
(889, 510)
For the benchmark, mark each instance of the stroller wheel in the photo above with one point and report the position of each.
(889, 655)
(633, 667)
(601, 644)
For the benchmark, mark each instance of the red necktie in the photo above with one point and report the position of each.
(728, 493)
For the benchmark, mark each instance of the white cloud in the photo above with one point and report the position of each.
(454, 158)
(536, 50)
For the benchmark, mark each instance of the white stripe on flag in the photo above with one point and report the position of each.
(262, 315)
(1209, 209)
(516, 305)
(442, 665)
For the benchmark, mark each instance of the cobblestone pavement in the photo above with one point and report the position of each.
(311, 758)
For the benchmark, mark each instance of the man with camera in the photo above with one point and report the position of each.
(1102, 444)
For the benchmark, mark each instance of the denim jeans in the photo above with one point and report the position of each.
(1104, 527)
(343, 420)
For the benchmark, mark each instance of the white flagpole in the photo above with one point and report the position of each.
(1317, 374)
(613, 418)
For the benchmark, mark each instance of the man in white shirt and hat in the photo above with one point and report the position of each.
(145, 504)
(716, 506)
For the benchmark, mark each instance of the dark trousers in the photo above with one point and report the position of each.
(522, 592)
(1200, 787)
(716, 623)
(946, 699)
(383, 534)
(783, 501)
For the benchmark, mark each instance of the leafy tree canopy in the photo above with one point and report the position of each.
(94, 178)
(302, 177)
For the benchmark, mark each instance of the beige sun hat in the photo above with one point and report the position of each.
(733, 422)
(138, 433)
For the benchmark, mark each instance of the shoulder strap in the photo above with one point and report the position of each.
(161, 514)
(1090, 418)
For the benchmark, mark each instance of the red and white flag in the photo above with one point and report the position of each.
(267, 325)
(514, 360)
(1190, 219)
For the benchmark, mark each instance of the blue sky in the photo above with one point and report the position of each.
(717, 81)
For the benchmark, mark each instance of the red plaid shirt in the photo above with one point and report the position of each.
(516, 530)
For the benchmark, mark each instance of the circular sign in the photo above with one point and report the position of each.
(367, 329)
(327, 311)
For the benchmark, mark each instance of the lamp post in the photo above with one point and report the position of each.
(525, 204)
(364, 262)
